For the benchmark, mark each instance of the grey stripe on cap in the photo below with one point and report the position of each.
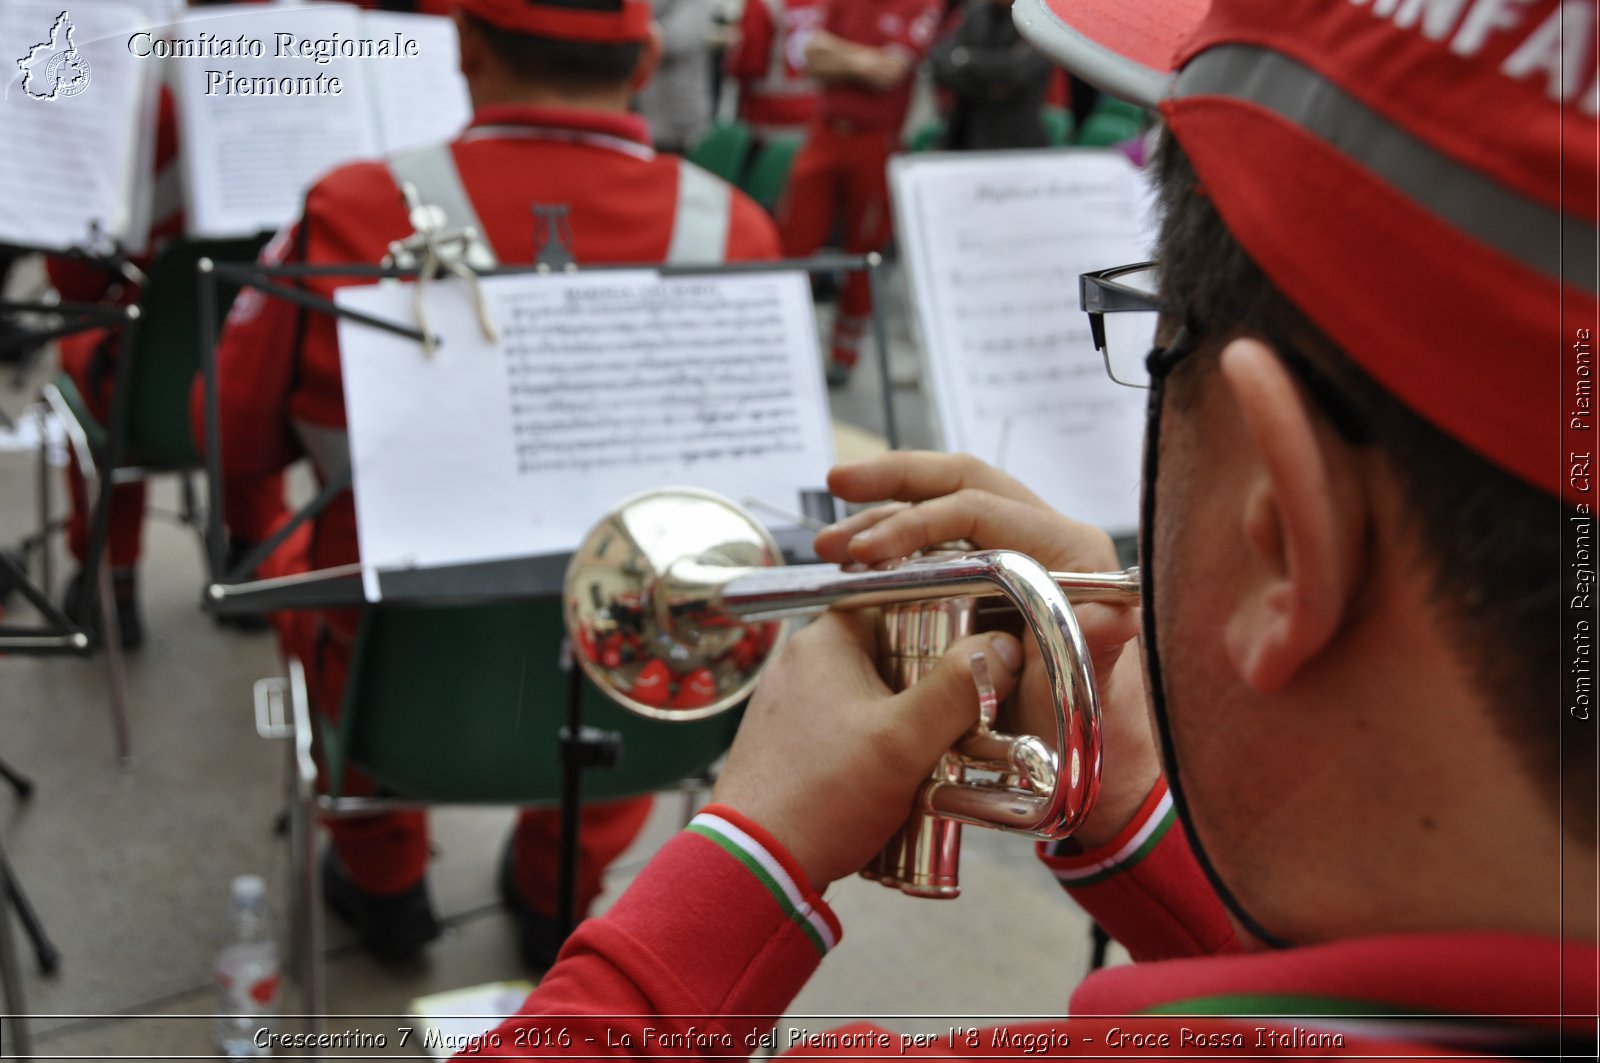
(1085, 57)
(1534, 234)
(432, 172)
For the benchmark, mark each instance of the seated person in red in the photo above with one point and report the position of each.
(550, 82)
(90, 359)
(1348, 786)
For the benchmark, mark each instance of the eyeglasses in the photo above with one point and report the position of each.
(1138, 337)
(1124, 318)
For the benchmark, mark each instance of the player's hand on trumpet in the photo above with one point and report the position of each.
(828, 759)
(935, 498)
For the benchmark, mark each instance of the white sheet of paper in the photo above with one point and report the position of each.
(450, 1020)
(994, 244)
(248, 160)
(602, 384)
(423, 100)
(75, 160)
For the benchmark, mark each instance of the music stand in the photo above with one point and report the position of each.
(58, 635)
(62, 635)
(234, 591)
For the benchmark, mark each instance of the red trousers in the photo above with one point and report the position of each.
(250, 506)
(387, 852)
(840, 175)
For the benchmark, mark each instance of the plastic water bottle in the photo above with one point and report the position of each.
(248, 973)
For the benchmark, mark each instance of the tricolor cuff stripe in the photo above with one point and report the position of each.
(1126, 851)
(817, 924)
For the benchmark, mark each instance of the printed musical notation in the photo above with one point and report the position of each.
(618, 377)
(994, 246)
(600, 385)
(78, 156)
(249, 157)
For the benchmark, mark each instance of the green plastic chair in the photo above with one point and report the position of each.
(165, 357)
(462, 705)
(723, 150)
(926, 138)
(769, 172)
(1057, 126)
(1111, 122)
(456, 705)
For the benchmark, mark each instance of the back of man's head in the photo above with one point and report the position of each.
(1404, 194)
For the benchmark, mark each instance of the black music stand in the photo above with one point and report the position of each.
(235, 590)
(57, 635)
(62, 635)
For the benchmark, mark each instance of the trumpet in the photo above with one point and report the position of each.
(678, 597)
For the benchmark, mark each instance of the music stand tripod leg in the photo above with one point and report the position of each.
(45, 472)
(571, 804)
(11, 983)
(16, 1008)
(20, 783)
(582, 748)
(44, 950)
(111, 639)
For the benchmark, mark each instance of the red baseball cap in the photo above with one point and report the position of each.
(1420, 178)
(627, 26)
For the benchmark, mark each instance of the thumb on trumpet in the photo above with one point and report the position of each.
(942, 706)
(829, 760)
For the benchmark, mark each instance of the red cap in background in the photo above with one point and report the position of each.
(627, 26)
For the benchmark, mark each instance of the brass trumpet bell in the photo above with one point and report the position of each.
(641, 608)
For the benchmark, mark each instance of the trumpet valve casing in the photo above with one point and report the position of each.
(923, 859)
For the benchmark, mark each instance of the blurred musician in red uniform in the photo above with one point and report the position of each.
(551, 82)
(863, 56)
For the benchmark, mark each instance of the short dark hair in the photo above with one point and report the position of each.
(1491, 542)
(578, 64)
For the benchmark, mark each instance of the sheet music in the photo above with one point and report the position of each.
(994, 245)
(603, 384)
(248, 158)
(74, 159)
(423, 100)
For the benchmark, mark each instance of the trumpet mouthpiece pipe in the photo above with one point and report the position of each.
(769, 593)
(1110, 588)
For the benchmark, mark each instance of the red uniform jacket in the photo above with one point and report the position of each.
(281, 389)
(769, 60)
(720, 931)
(905, 27)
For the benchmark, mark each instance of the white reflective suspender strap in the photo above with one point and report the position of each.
(328, 448)
(702, 219)
(432, 172)
(777, 57)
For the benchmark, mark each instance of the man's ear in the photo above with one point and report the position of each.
(649, 59)
(1303, 522)
(470, 49)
